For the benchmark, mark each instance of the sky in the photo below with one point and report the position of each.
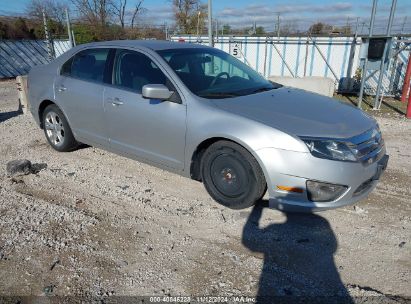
(242, 13)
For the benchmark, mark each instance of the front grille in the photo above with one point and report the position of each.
(368, 147)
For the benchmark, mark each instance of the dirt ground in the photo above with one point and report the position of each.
(94, 224)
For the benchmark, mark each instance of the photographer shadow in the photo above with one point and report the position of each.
(298, 258)
(8, 115)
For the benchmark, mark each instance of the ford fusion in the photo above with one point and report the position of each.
(201, 113)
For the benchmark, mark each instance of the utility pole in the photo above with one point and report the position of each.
(362, 27)
(216, 29)
(347, 26)
(403, 24)
(46, 32)
(278, 26)
(198, 23)
(351, 58)
(210, 24)
(69, 27)
(356, 27)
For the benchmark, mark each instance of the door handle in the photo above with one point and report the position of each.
(117, 102)
(62, 88)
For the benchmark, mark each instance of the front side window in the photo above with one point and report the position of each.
(86, 65)
(133, 70)
(212, 73)
(66, 67)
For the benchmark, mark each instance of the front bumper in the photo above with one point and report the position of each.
(293, 169)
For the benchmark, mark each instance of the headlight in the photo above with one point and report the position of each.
(329, 149)
(324, 192)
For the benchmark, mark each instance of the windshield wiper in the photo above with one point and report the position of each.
(263, 89)
(218, 95)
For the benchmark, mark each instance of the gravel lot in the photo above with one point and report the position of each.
(96, 224)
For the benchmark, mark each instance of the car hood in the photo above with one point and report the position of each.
(300, 113)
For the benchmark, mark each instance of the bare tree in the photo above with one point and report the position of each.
(54, 9)
(320, 28)
(96, 12)
(289, 27)
(137, 10)
(118, 8)
(186, 14)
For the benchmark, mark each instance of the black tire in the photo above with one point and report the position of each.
(53, 116)
(232, 176)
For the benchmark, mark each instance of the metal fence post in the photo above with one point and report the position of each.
(351, 58)
(377, 102)
(265, 57)
(306, 57)
(364, 72)
(69, 28)
(74, 37)
(325, 59)
(283, 59)
(393, 67)
(210, 25)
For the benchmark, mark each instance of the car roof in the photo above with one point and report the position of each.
(155, 45)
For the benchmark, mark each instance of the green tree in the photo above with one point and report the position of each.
(226, 29)
(21, 30)
(320, 28)
(84, 33)
(259, 30)
(4, 30)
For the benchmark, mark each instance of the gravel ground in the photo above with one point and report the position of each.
(96, 224)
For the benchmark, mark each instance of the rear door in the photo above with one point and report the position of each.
(150, 129)
(79, 92)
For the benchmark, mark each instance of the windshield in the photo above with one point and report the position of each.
(211, 73)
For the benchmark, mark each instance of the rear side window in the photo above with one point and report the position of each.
(86, 65)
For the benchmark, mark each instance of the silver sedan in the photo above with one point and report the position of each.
(202, 113)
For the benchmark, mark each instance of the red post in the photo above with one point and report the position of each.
(408, 115)
(406, 85)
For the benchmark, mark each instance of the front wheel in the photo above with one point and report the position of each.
(57, 130)
(231, 175)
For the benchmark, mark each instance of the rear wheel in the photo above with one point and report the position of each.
(57, 130)
(231, 175)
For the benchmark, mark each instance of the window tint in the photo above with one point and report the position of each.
(87, 65)
(133, 70)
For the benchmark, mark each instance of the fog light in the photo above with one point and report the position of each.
(324, 192)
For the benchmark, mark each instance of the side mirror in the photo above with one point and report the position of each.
(156, 91)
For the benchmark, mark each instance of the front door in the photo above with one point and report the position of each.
(150, 129)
